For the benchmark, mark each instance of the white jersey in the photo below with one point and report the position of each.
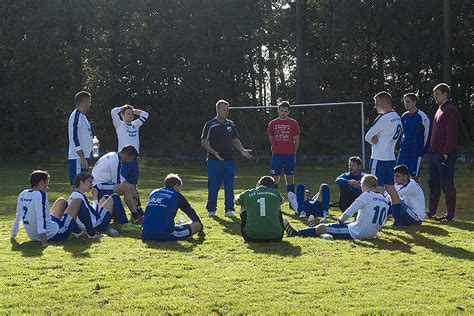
(92, 208)
(372, 213)
(412, 195)
(80, 135)
(108, 170)
(34, 212)
(388, 128)
(127, 134)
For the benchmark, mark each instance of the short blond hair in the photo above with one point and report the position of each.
(370, 181)
(221, 102)
(173, 179)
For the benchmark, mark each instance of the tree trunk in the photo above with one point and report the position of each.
(447, 72)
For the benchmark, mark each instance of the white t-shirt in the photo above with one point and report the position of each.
(127, 134)
(80, 135)
(372, 213)
(34, 212)
(413, 196)
(107, 170)
(388, 128)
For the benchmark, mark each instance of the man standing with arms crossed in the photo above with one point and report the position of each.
(284, 135)
(219, 137)
(80, 136)
(444, 139)
(383, 136)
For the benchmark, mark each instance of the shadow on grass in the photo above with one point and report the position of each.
(232, 227)
(182, 246)
(462, 225)
(385, 244)
(28, 249)
(78, 247)
(282, 248)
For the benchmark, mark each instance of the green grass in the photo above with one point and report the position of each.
(421, 270)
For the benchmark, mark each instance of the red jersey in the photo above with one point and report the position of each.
(283, 132)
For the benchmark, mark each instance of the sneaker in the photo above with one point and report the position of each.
(326, 214)
(311, 222)
(211, 214)
(302, 214)
(229, 214)
(96, 236)
(289, 230)
(112, 231)
(77, 235)
(327, 236)
(130, 227)
(396, 227)
(431, 215)
(445, 218)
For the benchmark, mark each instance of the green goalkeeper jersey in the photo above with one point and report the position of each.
(262, 205)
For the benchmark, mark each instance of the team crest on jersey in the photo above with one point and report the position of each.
(229, 129)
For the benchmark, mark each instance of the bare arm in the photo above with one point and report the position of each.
(205, 144)
(297, 141)
(44, 240)
(238, 145)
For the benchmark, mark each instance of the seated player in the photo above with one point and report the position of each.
(102, 212)
(41, 222)
(158, 222)
(372, 211)
(108, 179)
(349, 183)
(261, 219)
(412, 199)
(305, 205)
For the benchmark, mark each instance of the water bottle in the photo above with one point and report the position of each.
(95, 147)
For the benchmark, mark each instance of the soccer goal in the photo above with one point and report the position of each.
(329, 131)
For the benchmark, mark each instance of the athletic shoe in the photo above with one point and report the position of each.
(302, 214)
(77, 235)
(445, 218)
(311, 222)
(112, 231)
(326, 214)
(211, 214)
(130, 227)
(229, 214)
(327, 236)
(96, 236)
(396, 227)
(137, 221)
(289, 230)
(431, 215)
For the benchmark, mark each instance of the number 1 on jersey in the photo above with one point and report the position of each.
(261, 202)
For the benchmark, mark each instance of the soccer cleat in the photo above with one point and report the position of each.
(289, 230)
(302, 214)
(96, 236)
(445, 218)
(77, 235)
(431, 215)
(229, 214)
(311, 222)
(112, 231)
(396, 227)
(130, 227)
(327, 236)
(211, 214)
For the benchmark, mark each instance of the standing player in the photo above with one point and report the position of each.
(284, 135)
(411, 195)
(383, 136)
(80, 136)
(305, 205)
(41, 222)
(444, 139)
(261, 219)
(219, 137)
(371, 208)
(160, 212)
(127, 130)
(107, 178)
(349, 183)
(416, 129)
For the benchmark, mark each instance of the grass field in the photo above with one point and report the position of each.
(420, 270)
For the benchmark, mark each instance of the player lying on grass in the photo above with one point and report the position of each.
(158, 222)
(412, 199)
(261, 219)
(108, 179)
(305, 205)
(41, 222)
(101, 212)
(372, 211)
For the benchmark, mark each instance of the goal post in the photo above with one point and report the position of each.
(338, 105)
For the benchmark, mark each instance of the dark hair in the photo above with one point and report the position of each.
(284, 104)
(403, 169)
(411, 95)
(444, 88)
(356, 159)
(81, 95)
(82, 177)
(173, 179)
(130, 151)
(267, 181)
(37, 175)
(385, 96)
(125, 107)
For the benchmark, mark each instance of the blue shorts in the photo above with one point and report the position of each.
(279, 162)
(179, 232)
(104, 189)
(383, 170)
(75, 168)
(413, 164)
(338, 231)
(130, 171)
(103, 220)
(66, 225)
